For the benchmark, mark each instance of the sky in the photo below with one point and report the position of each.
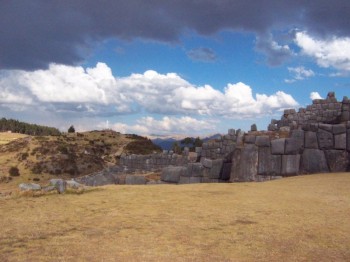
(161, 67)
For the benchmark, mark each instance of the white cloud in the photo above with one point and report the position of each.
(299, 73)
(315, 95)
(333, 52)
(96, 91)
(167, 125)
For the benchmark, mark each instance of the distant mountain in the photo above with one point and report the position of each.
(166, 143)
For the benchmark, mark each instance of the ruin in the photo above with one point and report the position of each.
(316, 139)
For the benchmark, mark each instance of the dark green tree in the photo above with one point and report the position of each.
(71, 129)
(176, 148)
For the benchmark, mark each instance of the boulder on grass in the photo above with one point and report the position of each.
(29, 187)
(59, 184)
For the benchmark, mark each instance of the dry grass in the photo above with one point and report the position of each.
(6, 137)
(295, 219)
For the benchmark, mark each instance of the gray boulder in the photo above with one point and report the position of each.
(74, 184)
(313, 161)
(29, 187)
(59, 184)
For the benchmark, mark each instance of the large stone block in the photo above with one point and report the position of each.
(262, 141)
(196, 170)
(135, 180)
(338, 160)
(293, 146)
(348, 139)
(340, 141)
(249, 139)
(339, 129)
(313, 161)
(326, 127)
(290, 165)
(216, 169)
(325, 139)
(190, 180)
(244, 164)
(311, 140)
(172, 174)
(277, 146)
(208, 163)
(268, 164)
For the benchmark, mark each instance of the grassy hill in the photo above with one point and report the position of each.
(39, 158)
(303, 218)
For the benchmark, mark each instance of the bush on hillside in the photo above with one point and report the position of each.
(13, 171)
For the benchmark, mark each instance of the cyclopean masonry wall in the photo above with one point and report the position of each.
(315, 139)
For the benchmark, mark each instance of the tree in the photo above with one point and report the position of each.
(198, 142)
(176, 148)
(71, 129)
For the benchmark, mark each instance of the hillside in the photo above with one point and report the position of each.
(303, 218)
(38, 158)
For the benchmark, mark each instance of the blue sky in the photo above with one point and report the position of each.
(169, 67)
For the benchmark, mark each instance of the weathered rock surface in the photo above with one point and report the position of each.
(59, 184)
(313, 161)
(277, 146)
(29, 187)
(290, 165)
(338, 160)
(269, 165)
(244, 164)
(171, 174)
(135, 180)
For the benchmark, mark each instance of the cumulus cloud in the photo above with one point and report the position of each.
(96, 91)
(167, 125)
(299, 73)
(333, 52)
(63, 32)
(315, 95)
(202, 54)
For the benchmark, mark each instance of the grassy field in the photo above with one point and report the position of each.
(6, 137)
(305, 218)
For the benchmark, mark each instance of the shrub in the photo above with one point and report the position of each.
(71, 129)
(23, 156)
(13, 171)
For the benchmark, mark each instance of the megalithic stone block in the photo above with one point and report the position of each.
(311, 140)
(244, 164)
(269, 165)
(313, 161)
(290, 165)
(277, 146)
(338, 160)
(325, 139)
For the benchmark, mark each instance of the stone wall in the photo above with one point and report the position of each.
(313, 140)
(154, 162)
(328, 111)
